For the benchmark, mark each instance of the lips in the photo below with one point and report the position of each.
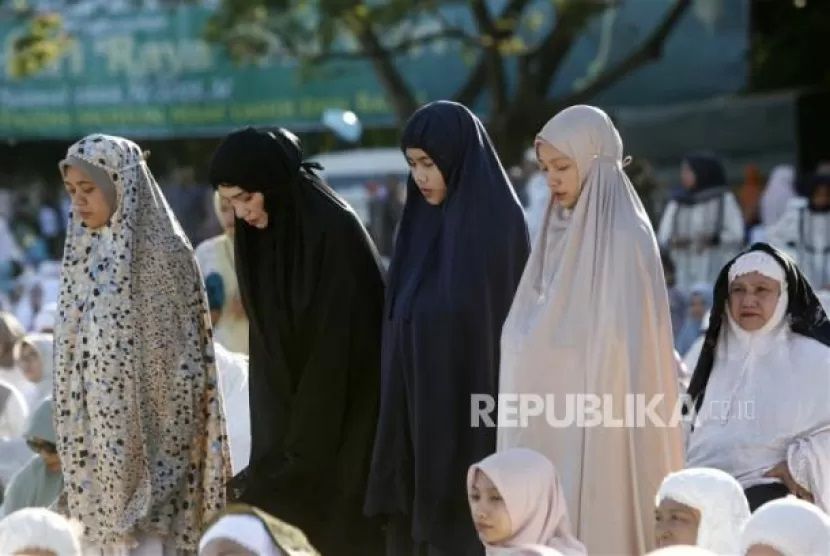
(482, 526)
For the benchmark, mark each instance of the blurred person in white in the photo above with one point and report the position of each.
(778, 193)
(702, 225)
(804, 232)
(761, 385)
(11, 332)
(242, 530)
(216, 257)
(40, 483)
(701, 506)
(39, 532)
(232, 369)
(698, 305)
(787, 527)
(516, 502)
(33, 355)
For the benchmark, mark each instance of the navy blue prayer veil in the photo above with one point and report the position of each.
(453, 275)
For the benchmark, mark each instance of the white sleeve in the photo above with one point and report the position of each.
(664, 232)
(784, 233)
(808, 459)
(733, 222)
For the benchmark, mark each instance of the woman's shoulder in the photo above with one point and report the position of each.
(806, 351)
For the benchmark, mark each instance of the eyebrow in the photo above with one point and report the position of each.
(81, 182)
(420, 158)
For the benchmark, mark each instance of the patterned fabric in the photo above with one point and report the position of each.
(139, 423)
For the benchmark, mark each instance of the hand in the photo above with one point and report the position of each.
(782, 472)
(235, 308)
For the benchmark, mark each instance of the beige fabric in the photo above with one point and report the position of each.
(592, 316)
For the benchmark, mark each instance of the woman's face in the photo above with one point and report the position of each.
(248, 206)
(675, 523)
(30, 363)
(427, 176)
(47, 452)
(697, 306)
(752, 300)
(687, 176)
(820, 198)
(561, 173)
(489, 511)
(88, 201)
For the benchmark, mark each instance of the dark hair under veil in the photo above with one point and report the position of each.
(804, 313)
(454, 273)
(710, 178)
(312, 287)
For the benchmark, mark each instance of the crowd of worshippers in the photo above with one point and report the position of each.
(278, 391)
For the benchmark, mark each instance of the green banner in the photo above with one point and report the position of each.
(151, 74)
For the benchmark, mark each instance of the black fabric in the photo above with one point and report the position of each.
(312, 288)
(759, 495)
(815, 182)
(710, 179)
(453, 276)
(804, 311)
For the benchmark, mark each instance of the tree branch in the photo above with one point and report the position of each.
(650, 50)
(403, 101)
(495, 77)
(400, 47)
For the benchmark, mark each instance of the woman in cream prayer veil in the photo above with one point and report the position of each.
(591, 318)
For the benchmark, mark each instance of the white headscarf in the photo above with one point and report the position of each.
(244, 530)
(790, 526)
(720, 500)
(529, 485)
(43, 345)
(39, 528)
(777, 194)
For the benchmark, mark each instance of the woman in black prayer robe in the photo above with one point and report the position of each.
(460, 253)
(312, 287)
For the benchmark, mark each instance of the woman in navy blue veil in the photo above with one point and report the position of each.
(460, 253)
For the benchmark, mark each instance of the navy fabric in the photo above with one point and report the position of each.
(453, 276)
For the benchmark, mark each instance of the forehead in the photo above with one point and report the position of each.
(754, 279)
(546, 151)
(74, 174)
(669, 505)
(227, 191)
(482, 481)
(416, 153)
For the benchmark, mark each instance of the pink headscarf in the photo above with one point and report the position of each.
(529, 485)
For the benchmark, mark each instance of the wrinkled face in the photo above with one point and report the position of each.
(697, 306)
(30, 363)
(225, 547)
(820, 198)
(226, 215)
(427, 176)
(675, 523)
(489, 511)
(88, 201)
(687, 176)
(752, 300)
(561, 174)
(762, 550)
(247, 206)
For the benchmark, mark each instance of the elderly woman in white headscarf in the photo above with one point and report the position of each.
(139, 423)
(701, 506)
(761, 384)
(590, 322)
(517, 504)
(244, 529)
(41, 532)
(216, 261)
(787, 527)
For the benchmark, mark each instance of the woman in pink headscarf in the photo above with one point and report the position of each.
(518, 506)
